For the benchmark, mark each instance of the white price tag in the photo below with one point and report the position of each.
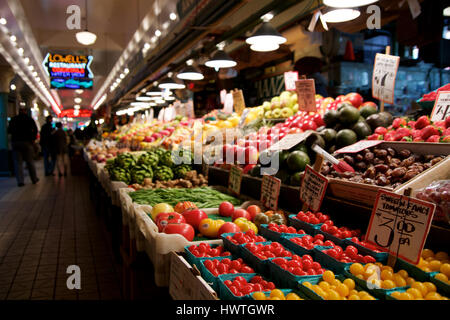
(270, 191)
(313, 188)
(290, 141)
(306, 93)
(441, 109)
(383, 80)
(228, 105)
(400, 225)
(359, 146)
(289, 80)
(235, 179)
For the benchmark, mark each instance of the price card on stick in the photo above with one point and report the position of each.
(400, 224)
(289, 80)
(383, 79)
(270, 191)
(290, 140)
(441, 109)
(313, 188)
(306, 93)
(235, 179)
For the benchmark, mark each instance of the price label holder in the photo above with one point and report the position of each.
(290, 141)
(238, 101)
(313, 189)
(359, 146)
(383, 78)
(306, 93)
(235, 179)
(289, 80)
(399, 225)
(441, 109)
(270, 191)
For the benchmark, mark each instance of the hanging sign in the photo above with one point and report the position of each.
(400, 225)
(235, 179)
(441, 109)
(72, 113)
(69, 71)
(289, 80)
(238, 101)
(313, 188)
(306, 95)
(383, 79)
(270, 191)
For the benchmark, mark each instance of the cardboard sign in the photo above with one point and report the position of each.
(290, 141)
(238, 101)
(289, 80)
(235, 179)
(359, 146)
(306, 93)
(383, 79)
(400, 225)
(313, 188)
(228, 105)
(270, 191)
(441, 109)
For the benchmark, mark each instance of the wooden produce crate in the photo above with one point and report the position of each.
(365, 194)
(186, 282)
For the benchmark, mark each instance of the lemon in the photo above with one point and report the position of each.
(349, 283)
(259, 296)
(328, 276)
(356, 269)
(415, 293)
(442, 277)
(427, 253)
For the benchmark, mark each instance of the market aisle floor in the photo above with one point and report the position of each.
(46, 227)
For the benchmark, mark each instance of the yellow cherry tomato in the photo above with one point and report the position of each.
(421, 287)
(435, 265)
(259, 296)
(277, 293)
(415, 293)
(406, 296)
(350, 283)
(441, 256)
(430, 286)
(293, 296)
(445, 269)
(442, 277)
(387, 284)
(410, 281)
(403, 273)
(324, 285)
(343, 290)
(333, 295)
(396, 295)
(328, 276)
(354, 297)
(356, 269)
(386, 275)
(427, 253)
(399, 281)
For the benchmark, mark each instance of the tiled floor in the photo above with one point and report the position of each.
(45, 228)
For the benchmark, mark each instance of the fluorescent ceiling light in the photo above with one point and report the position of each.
(157, 33)
(341, 15)
(12, 87)
(13, 38)
(85, 37)
(348, 3)
(220, 60)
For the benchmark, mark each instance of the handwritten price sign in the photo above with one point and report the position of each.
(270, 190)
(400, 225)
(235, 179)
(383, 80)
(289, 80)
(441, 109)
(313, 188)
(306, 93)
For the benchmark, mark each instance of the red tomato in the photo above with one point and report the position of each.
(253, 210)
(222, 268)
(193, 217)
(240, 213)
(354, 98)
(228, 283)
(226, 209)
(234, 290)
(186, 230)
(307, 264)
(228, 227)
(246, 269)
(235, 264)
(164, 218)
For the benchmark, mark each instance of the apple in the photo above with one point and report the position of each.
(276, 113)
(241, 213)
(228, 227)
(268, 114)
(267, 106)
(286, 112)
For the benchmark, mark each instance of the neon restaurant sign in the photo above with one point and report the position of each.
(69, 71)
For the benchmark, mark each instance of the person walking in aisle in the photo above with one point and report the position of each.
(48, 148)
(23, 132)
(61, 146)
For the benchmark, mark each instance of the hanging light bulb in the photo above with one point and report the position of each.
(170, 84)
(265, 38)
(190, 72)
(220, 59)
(154, 92)
(348, 3)
(341, 15)
(85, 37)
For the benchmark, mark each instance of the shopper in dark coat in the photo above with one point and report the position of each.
(61, 146)
(48, 148)
(23, 132)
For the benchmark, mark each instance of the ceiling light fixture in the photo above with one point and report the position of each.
(348, 3)
(169, 83)
(341, 15)
(265, 38)
(190, 72)
(220, 59)
(154, 92)
(13, 38)
(77, 106)
(126, 70)
(157, 33)
(446, 12)
(3, 21)
(85, 37)
(173, 16)
(26, 60)
(79, 91)
(143, 98)
(12, 87)
(77, 100)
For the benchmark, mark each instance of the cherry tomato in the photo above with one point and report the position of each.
(234, 290)
(246, 269)
(235, 264)
(256, 279)
(228, 283)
